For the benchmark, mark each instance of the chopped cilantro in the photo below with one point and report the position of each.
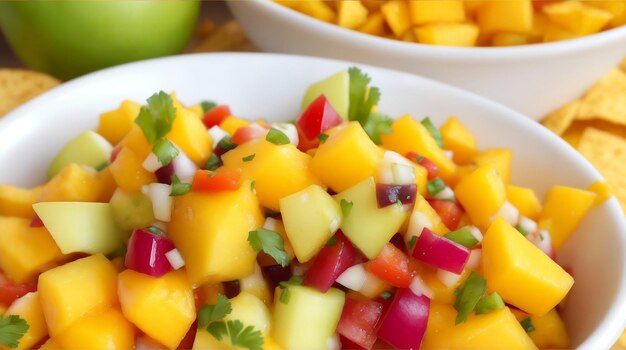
(528, 325)
(226, 144)
(253, 185)
(521, 230)
(435, 186)
(12, 329)
(462, 236)
(322, 137)
(468, 295)
(433, 131)
(412, 242)
(207, 106)
(271, 243)
(179, 188)
(214, 312)
(362, 100)
(284, 286)
(102, 166)
(213, 163)
(346, 207)
(489, 303)
(332, 241)
(165, 151)
(248, 158)
(277, 137)
(377, 124)
(386, 294)
(156, 119)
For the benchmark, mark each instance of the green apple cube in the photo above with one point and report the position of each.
(131, 210)
(336, 88)
(80, 226)
(251, 311)
(368, 227)
(311, 217)
(308, 319)
(88, 148)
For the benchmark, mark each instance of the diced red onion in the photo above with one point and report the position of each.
(404, 324)
(419, 287)
(161, 200)
(473, 262)
(217, 134)
(290, 130)
(353, 277)
(175, 259)
(387, 194)
(151, 163)
(147, 253)
(164, 174)
(440, 252)
(447, 278)
(508, 212)
(330, 263)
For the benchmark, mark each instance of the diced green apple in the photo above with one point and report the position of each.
(131, 210)
(88, 148)
(311, 217)
(308, 319)
(368, 227)
(336, 88)
(80, 226)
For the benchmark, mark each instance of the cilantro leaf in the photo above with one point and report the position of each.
(179, 188)
(528, 325)
(214, 312)
(346, 207)
(211, 317)
(322, 138)
(411, 242)
(156, 119)
(12, 329)
(277, 137)
(284, 286)
(377, 124)
(217, 329)
(271, 243)
(247, 337)
(468, 295)
(357, 109)
(207, 106)
(248, 158)
(165, 151)
(213, 163)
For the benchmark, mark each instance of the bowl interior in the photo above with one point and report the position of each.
(271, 86)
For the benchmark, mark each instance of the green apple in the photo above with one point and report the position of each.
(311, 217)
(367, 226)
(131, 210)
(88, 148)
(251, 311)
(80, 226)
(336, 88)
(71, 38)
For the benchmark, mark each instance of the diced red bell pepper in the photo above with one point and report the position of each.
(359, 320)
(116, 150)
(331, 262)
(36, 221)
(431, 168)
(450, 212)
(317, 118)
(404, 324)
(146, 253)
(247, 133)
(305, 144)
(9, 290)
(215, 116)
(392, 266)
(211, 181)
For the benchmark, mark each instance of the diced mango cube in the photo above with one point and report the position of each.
(577, 17)
(74, 183)
(136, 141)
(396, 13)
(471, 7)
(71, 291)
(29, 309)
(163, 307)
(204, 226)
(318, 9)
(550, 331)
(251, 311)
(15, 201)
(408, 135)
(346, 158)
(255, 284)
(128, 172)
(562, 220)
(374, 24)
(428, 11)
(442, 293)
(482, 193)
(189, 133)
(521, 273)
(278, 170)
(525, 200)
(232, 123)
(616, 8)
(351, 13)
(115, 124)
(510, 39)
(555, 32)
(25, 250)
(423, 212)
(499, 158)
(514, 16)
(602, 190)
(459, 140)
(496, 330)
(448, 34)
(106, 329)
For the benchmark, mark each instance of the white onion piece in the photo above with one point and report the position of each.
(476, 233)
(394, 157)
(175, 259)
(353, 278)
(270, 224)
(253, 281)
(473, 262)
(372, 286)
(151, 163)
(526, 224)
(418, 287)
(184, 167)
(384, 175)
(161, 201)
(448, 278)
(402, 174)
(417, 222)
(289, 130)
(508, 212)
(217, 134)
(543, 241)
(333, 343)
(446, 194)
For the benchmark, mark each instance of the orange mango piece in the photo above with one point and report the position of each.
(74, 183)
(459, 140)
(16, 201)
(602, 190)
(316, 8)
(106, 329)
(189, 133)
(128, 172)
(482, 193)
(514, 16)
(499, 158)
(396, 14)
(374, 24)
(577, 17)
(351, 14)
(525, 200)
(115, 124)
(29, 309)
(448, 34)
(136, 142)
(427, 11)
(550, 331)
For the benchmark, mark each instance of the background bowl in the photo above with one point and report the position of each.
(271, 86)
(532, 79)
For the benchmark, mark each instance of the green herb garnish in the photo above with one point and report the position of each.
(468, 295)
(253, 185)
(213, 163)
(435, 186)
(156, 231)
(284, 286)
(248, 158)
(521, 230)
(489, 303)
(179, 188)
(433, 131)
(528, 325)
(12, 329)
(165, 151)
(271, 243)
(386, 295)
(360, 108)
(156, 119)
(412, 242)
(346, 207)
(277, 137)
(332, 241)
(226, 144)
(462, 236)
(207, 106)
(102, 166)
(322, 137)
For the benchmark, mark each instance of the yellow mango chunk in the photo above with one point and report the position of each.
(499, 158)
(106, 329)
(15, 201)
(427, 213)
(408, 135)
(318, 9)
(520, 272)
(196, 110)
(396, 14)
(616, 8)
(448, 34)
(74, 183)
(161, 307)
(346, 158)
(525, 200)
(128, 172)
(428, 11)
(136, 142)
(278, 170)
(374, 24)
(29, 309)
(555, 32)
(25, 250)
(459, 140)
(205, 226)
(231, 124)
(577, 17)
(550, 331)
(472, 6)
(514, 16)
(71, 291)
(189, 133)
(496, 330)
(107, 185)
(482, 193)
(351, 13)
(602, 190)
(115, 124)
(50, 344)
(442, 293)
(562, 220)
(510, 39)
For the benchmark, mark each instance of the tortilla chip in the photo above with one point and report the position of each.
(18, 86)
(607, 153)
(606, 100)
(559, 120)
(228, 37)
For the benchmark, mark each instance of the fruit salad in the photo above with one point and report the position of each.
(192, 228)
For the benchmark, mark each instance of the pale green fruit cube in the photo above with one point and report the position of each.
(88, 148)
(336, 88)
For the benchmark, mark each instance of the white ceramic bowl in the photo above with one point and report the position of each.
(532, 79)
(271, 86)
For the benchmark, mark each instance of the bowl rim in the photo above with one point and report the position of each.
(451, 53)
